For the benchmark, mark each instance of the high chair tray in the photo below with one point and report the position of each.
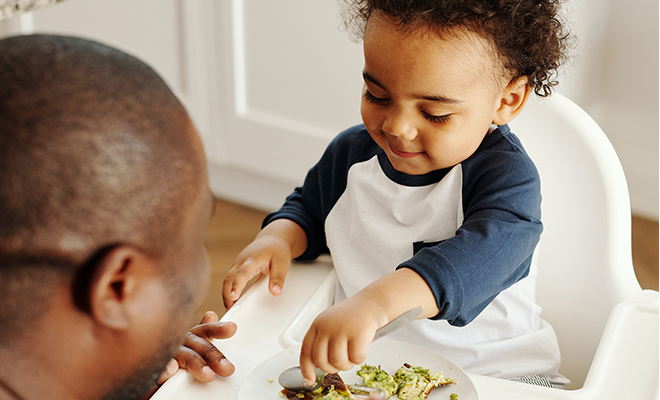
(625, 365)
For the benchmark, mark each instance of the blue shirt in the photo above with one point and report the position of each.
(488, 252)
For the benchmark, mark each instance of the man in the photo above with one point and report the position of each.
(104, 200)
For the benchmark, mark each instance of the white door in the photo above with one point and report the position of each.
(164, 33)
(292, 81)
(268, 83)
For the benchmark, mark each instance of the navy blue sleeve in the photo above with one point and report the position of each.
(310, 203)
(493, 247)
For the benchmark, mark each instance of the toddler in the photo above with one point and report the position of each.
(433, 201)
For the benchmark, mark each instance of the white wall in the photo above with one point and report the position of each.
(175, 37)
(287, 84)
(268, 82)
(615, 79)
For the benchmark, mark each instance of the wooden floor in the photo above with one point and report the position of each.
(234, 226)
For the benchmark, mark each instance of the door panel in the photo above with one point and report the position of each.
(296, 84)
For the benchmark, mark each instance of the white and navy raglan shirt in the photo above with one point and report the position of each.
(469, 231)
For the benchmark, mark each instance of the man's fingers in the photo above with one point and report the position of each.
(170, 369)
(203, 360)
(195, 364)
(209, 317)
(212, 330)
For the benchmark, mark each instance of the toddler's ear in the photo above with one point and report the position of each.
(512, 101)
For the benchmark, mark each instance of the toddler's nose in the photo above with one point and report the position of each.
(400, 125)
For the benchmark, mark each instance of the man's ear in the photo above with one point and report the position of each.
(512, 101)
(116, 278)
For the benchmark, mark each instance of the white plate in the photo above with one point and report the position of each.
(390, 354)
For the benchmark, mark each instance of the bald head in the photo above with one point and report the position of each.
(94, 148)
(95, 151)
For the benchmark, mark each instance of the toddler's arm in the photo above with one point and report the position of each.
(340, 336)
(270, 254)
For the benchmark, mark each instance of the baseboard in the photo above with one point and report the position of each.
(247, 188)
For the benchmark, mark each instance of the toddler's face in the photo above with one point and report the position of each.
(428, 101)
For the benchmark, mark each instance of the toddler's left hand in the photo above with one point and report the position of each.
(340, 336)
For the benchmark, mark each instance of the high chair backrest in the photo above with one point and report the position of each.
(584, 257)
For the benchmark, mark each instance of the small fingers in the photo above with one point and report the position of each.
(307, 366)
(232, 287)
(357, 350)
(239, 276)
(337, 357)
(278, 271)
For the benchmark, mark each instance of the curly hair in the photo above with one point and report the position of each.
(527, 34)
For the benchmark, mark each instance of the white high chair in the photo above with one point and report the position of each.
(606, 325)
(585, 261)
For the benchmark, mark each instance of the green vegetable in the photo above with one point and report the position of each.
(417, 382)
(376, 377)
(453, 396)
(334, 395)
(408, 383)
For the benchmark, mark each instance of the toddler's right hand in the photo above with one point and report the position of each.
(268, 255)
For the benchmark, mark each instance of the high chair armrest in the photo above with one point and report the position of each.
(261, 319)
(626, 361)
(625, 365)
(323, 298)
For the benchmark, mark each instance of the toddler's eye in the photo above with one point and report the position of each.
(373, 99)
(437, 118)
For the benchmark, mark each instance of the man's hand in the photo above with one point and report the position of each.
(198, 355)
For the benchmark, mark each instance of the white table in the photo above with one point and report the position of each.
(625, 365)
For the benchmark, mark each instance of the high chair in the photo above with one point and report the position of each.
(606, 325)
(584, 257)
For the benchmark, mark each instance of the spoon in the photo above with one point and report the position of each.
(293, 380)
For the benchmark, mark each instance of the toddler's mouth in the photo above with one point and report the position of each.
(404, 154)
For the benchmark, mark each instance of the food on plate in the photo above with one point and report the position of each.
(291, 395)
(417, 382)
(333, 388)
(377, 378)
(408, 382)
(334, 395)
(334, 382)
